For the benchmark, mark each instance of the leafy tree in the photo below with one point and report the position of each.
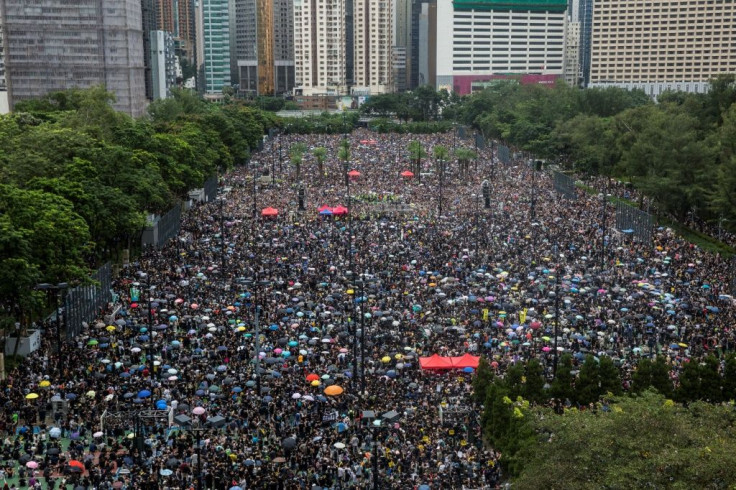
(296, 155)
(642, 442)
(609, 376)
(320, 154)
(416, 153)
(642, 377)
(710, 380)
(689, 389)
(587, 386)
(729, 378)
(464, 156)
(562, 386)
(533, 389)
(482, 380)
(660, 377)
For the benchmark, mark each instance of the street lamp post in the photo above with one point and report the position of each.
(557, 318)
(273, 167)
(222, 236)
(604, 198)
(532, 210)
(442, 174)
(151, 366)
(376, 427)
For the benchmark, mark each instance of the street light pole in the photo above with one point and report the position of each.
(532, 210)
(442, 174)
(222, 236)
(603, 226)
(557, 318)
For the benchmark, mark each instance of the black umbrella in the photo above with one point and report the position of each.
(289, 443)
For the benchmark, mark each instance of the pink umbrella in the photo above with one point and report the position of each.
(546, 349)
(535, 325)
(277, 351)
(32, 464)
(198, 410)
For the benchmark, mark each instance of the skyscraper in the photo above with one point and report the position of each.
(585, 18)
(480, 38)
(66, 44)
(215, 47)
(572, 54)
(148, 19)
(264, 46)
(373, 34)
(163, 64)
(665, 45)
(320, 47)
(402, 42)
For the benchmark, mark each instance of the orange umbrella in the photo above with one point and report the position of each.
(269, 211)
(407, 174)
(312, 377)
(333, 390)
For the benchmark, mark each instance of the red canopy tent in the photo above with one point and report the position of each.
(407, 174)
(339, 210)
(435, 362)
(464, 361)
(269, 212)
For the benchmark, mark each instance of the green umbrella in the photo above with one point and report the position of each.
(92, 342)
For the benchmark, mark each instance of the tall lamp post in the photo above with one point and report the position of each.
(151, 366)
(222, 235)
(197, 427)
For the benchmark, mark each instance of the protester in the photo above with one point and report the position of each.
(476, 279)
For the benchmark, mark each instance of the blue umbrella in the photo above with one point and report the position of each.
(144, 394)
(199, 392)
(268, 398)
(125, 375)
(468, 369)
(71, 396)
(423, 487)
(166, 472)
(273, 327)
(250, 384)
(237, 389)
(293, 343)
(144, 338)
(173, 318)
(161, 405)
(674, 346)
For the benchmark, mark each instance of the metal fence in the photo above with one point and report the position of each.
(504, 154)
(480, 142)
(634, 222)
(166, 227)
(565, 185)
(83, 303)
(210, 188)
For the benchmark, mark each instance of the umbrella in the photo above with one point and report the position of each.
(334, 390)
(32, 464)
(31, 396)
(289, 443)
(55, 432)
(407, 174)
(144, 394)
(269, 211)
(166, 472)
(76, 464)
(339, 445)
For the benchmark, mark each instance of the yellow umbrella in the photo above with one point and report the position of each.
(682, 345)
(110, 328)
(432, 284)
(350, 291)
(91, 394)
(398, 356)
(45, 383)
(31, 396)
(241, 329)
(385, 359)
(315, 382)
(334, 390)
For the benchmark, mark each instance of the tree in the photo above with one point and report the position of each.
(441, 154)
(482, 380)
(729, 378)
(416, 152)
(660, 377)
(710, 380)
(609, 376)
(562, 386)
(642, 377)
(533, 388)
(587, 386)
(464, 156)
(689, 389)
(642, 442)
(296, 155)
(320, 153)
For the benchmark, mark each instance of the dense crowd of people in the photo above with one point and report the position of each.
(259, 352)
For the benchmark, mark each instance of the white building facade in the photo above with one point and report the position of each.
(319, 47)
(373, 31)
